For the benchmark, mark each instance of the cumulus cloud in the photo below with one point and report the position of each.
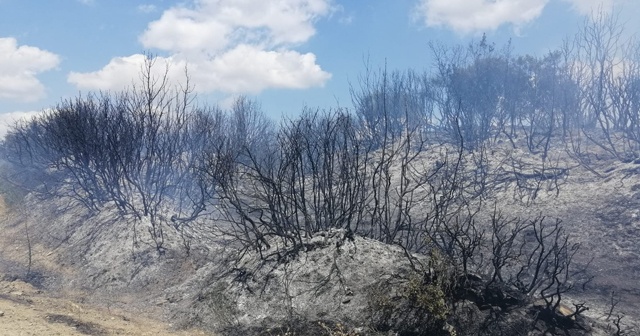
(268, 22)
(244, 69)
(19, 67)
(122, 72)
(233, 46)
(176, 31)
(468, 16)
(247, 68)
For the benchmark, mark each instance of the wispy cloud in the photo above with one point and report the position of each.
(470, 16)
(19, 67)
(233, 46)
(147, 8)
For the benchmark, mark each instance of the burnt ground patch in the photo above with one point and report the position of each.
(86, 328)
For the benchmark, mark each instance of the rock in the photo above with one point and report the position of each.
(1, 313)
(565, 311)
(348, 292)
(318, 241)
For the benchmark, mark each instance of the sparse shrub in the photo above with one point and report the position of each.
(429, 297)
(417, 305)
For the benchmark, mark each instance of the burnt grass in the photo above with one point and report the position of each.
(602, 214)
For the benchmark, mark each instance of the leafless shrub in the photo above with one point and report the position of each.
(139, 150)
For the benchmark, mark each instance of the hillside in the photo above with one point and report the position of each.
(337, 283)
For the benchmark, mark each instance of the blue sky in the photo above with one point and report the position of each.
(286, 53)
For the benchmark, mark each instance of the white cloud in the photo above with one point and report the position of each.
(9, 119)
(19, 67)
(247, 68)
(122, 72)
(216, 23)
(176, 31)
(116, 75)
(233, 46)
(468, 16)
(244, 69)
